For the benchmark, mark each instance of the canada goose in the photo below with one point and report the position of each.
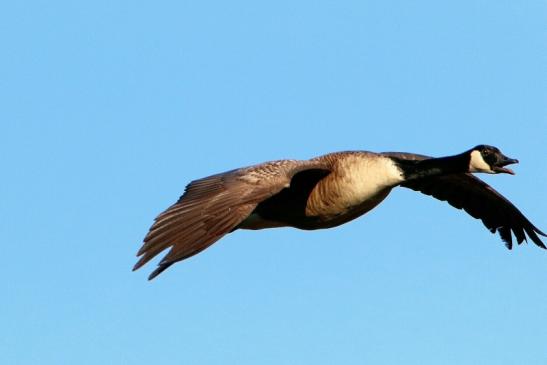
(328, 191)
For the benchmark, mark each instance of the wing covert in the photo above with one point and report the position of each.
(212, 207)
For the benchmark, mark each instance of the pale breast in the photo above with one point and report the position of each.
(359, 182)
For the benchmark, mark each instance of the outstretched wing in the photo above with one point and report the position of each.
(478, 199)
(212, 207)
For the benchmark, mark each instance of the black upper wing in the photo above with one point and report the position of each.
(478, 199)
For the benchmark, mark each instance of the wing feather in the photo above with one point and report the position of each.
(212, 207)
(479, 200)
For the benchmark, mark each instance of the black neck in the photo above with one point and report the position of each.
(434, 166)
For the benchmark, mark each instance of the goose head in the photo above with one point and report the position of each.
(490, 160)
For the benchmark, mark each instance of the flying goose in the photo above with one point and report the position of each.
(328, 191)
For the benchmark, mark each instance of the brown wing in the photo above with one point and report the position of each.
(214, 206)
(478, 199)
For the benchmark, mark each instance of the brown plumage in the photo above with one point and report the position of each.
(212, 207)
(319, 193)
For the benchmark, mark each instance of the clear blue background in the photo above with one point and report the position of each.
(108, 109)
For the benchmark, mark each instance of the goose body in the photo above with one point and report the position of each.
(325, 192)
(352, 184)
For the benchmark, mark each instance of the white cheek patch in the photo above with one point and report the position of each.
(477, 163)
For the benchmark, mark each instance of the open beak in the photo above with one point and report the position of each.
(504, 161)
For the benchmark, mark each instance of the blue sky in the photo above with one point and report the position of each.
(110, 108)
